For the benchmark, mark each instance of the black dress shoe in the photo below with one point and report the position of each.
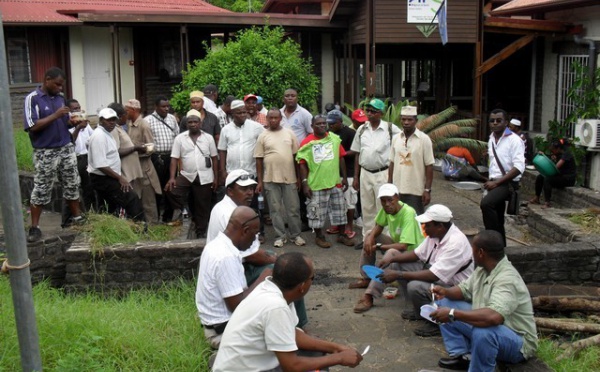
(457, 363)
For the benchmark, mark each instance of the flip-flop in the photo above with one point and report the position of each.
(333, 230)
(350, 234)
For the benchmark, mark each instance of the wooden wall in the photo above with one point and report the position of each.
(391, 26)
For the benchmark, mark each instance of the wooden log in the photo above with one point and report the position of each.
(566, 303)
(573, 348)
(560, 325)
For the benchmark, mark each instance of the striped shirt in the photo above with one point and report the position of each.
(39, 105)
(164, 131)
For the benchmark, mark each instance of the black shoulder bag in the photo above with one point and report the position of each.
(513, 189)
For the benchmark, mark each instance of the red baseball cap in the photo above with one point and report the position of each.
(359, 115)
(248, 96)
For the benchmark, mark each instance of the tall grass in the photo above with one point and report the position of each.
(24, 150)
(147, 330)
(586, 360)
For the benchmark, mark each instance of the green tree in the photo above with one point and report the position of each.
(261, 60)
(240, 6)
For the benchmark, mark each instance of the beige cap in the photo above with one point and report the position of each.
(196, 94)
(408, 111)
(133, 103)
(193, 112)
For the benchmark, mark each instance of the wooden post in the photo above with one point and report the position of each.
(477, 81)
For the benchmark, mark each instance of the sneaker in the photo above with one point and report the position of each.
(299, 241)
(343, 239)
(279, 243)
(34, 235)
(410, 315)
(79, 220)
(321, 242)
(358, 222)
(359, 246)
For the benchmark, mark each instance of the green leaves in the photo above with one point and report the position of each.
(261, 60)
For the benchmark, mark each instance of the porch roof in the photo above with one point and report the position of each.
(529, 7)
(66, 12)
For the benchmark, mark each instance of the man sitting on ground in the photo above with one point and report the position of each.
(444, 258)
(261, 336)
(489, 315)
(405, 234)
(221, 281)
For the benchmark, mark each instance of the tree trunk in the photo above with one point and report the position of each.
(573, 348)
(566, 303)
(560, 325)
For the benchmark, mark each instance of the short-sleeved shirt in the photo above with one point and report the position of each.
(239, 142)
(300, 122)
(130, 163)
(323, 159)
(277, 149)
(373, 146)
(39, 105)
(504, 291)
(220, 276)
(347, 136)
(511, 153)
(569, 168)
(164, 131)
(262, 324)
(219, 218)
(81, 142)
(193, 156)
(448, 256)
(410, 159)
(103, 152)
(403, 226)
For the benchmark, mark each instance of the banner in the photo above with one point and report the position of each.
(422, 11)
(442, 16)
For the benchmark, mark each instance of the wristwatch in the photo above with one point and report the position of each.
(451, 315)
(428, 190)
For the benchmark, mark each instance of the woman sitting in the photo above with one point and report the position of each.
(561, 154)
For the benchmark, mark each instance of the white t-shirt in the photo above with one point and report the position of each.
(193, 156)
(103, 152)
(219, 218)
(511, 153)
(221, 275)
(239, 142)
(82, 139)
(447, 256)
(262, 323)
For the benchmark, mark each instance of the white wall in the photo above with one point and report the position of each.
(76, 59)
(327, 78)
(127, 71)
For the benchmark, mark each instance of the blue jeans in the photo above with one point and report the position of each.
(486, 345)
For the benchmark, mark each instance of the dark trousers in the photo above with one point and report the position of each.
(109, 190)
(547, 183)
(86, 191)
(200, 210)
(162, 164)
(492, 207)
(415, 201)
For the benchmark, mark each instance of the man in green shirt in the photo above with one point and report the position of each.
(489, 316)
(404, 231)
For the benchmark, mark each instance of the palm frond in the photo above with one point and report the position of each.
(444, 131)
(465, 122)
(434, 120)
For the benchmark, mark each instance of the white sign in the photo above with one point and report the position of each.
(422, 11)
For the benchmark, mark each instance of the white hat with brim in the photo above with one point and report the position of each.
(237, 104)
(437, 213)
(236, 174)
(387, 189)
(107, 113)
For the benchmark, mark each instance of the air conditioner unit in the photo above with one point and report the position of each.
(588, 131)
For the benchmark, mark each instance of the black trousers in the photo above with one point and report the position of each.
(109, 190)
(493, 206)
(86, 191)
(162, 165)
(547, 183)
(200, 208)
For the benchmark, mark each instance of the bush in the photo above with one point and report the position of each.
(24, 150)
(260, 61)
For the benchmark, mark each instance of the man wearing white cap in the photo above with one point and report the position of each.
(411, 162)
(444, 258)
(104, 166)
(405, 235)
(515, 126)
(198, 173)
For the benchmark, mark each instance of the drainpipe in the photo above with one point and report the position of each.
(592, 54)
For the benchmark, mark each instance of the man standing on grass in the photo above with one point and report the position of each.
(221, 282)
(261, 336)
(47, 122)
(321, 158)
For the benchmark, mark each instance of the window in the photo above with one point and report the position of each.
(17, 54)
(566, 78)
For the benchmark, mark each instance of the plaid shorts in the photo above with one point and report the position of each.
(48, 164)
(332, 201)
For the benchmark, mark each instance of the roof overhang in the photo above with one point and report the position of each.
(530, 7)
(527, 26)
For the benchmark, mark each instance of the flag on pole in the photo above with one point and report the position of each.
(442, 25)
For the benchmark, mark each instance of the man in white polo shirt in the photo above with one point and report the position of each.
(221, 281)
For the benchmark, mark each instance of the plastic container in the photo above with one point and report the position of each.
(390, 292)
(261, 202)
(545, 166)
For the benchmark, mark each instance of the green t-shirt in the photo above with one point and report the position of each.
(323, 160)
(403, 226)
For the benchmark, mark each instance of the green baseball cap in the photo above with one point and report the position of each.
(377, 104)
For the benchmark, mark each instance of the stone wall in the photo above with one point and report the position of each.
(26, 186)
(573, 263)
(48, 259)
(18, 92)
(570, 197)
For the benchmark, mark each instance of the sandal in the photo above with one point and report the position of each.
(534, 201)
(333, 230)
(350, 234)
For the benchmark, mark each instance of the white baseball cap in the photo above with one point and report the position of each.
(437, 213)
(107, 113)
(387, 189)
(241, 177)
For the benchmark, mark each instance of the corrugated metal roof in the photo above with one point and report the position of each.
(65, 11)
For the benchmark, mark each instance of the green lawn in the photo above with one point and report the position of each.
(587, 360)
(24, 149)
(147, 330)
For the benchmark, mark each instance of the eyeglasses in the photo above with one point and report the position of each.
(250, 220)
(496, 120)
(244, 177)
(371, 111)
